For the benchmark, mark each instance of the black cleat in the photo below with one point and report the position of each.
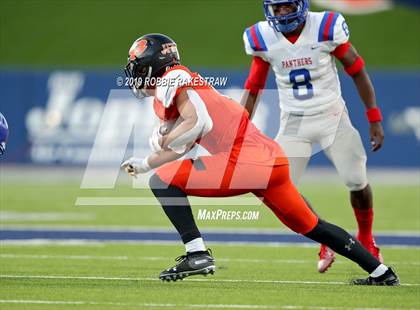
(188, 265)
(389, 278)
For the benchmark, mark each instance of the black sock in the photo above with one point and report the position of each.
(177, 208)
(343, 243)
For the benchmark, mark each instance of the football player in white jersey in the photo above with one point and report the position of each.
(4, 132)
(301, 47)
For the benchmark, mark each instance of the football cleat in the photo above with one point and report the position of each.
(389, 278)
(326, 258)
(189, 265)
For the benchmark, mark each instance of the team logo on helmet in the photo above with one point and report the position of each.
(137, 49)
(168, 48)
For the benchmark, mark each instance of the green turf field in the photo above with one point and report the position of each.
(124, 276)
(95, 33)
(331, 201)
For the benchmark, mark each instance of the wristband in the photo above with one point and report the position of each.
(145, 167)
(356, 67)
(374, 115)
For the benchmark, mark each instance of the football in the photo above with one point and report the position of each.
(166, 127)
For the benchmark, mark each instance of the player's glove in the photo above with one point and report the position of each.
(155, 140)
(135, 166)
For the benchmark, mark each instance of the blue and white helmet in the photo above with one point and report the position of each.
(286, 23)
(4, 133)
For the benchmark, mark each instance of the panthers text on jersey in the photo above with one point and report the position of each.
(306, 73)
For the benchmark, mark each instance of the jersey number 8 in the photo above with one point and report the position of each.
(301, 78)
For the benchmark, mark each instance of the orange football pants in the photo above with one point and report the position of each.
(215, 176)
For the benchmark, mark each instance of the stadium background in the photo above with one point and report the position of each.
(59, 62)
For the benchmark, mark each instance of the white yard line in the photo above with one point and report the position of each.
(69, 257)
(262, 230)
(89, 242)
(146, 305)
(151, 201)
(42, 242)
(12, 216)
(162, 258)
(8, 276)
(171, 305)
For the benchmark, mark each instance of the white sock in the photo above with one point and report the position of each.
(195, 245)
(380, 270)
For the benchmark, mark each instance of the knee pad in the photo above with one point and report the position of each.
(354, 187)
(354, 174)
(356, 181)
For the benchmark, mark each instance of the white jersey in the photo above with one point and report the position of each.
(306, 73)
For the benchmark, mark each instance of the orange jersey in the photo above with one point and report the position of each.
(232, 132)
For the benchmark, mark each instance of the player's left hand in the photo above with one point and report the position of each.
(155, 141)
(135, 166)
(376, 136)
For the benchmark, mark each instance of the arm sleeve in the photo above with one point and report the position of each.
(341, 50)
(257, 75)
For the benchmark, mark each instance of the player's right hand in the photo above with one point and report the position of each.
(376, 136)
(134, 166)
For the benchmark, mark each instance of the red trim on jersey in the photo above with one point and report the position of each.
(328, 25)
(341, 50)
(255, 38)
(257, 75)
(374, 115)
(293, 39)
(356, 67)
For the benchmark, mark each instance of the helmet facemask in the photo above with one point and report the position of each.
(137, 76)
(288, 22)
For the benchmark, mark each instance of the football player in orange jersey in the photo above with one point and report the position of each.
(242, 160)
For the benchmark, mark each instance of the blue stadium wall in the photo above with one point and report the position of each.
(67, 138)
